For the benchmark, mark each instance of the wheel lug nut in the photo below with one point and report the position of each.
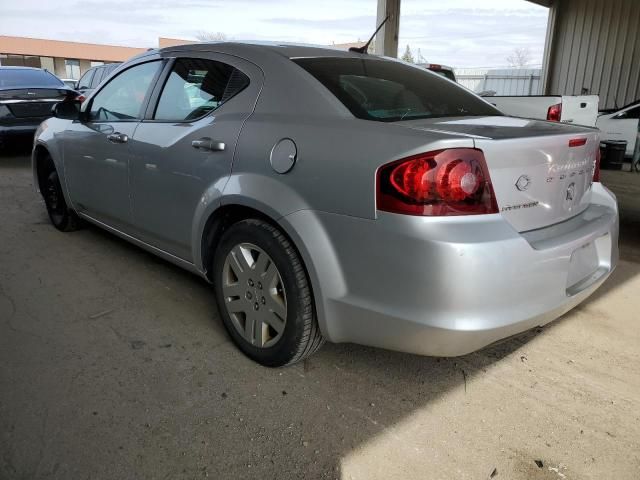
(248, 295)
(263, 301)
(256, 306)
(250, 282)
(259, 286)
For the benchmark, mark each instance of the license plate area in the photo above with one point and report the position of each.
(588, 264)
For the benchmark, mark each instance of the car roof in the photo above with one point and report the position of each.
(22, 68)
(289, 50)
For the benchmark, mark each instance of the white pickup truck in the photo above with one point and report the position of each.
(577, 110)
(621, 124)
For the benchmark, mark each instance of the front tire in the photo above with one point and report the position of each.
(61, 216)
(263, 294)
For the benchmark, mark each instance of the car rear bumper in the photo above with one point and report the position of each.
(19, 128)
(449, 286)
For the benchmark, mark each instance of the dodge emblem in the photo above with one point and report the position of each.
(523, 183)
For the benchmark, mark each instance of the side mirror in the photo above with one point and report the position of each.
(67, 110)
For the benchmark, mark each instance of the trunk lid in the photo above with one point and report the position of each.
(538, 179)
(32, 102)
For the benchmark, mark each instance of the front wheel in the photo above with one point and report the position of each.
(62, 217)
(263, 294)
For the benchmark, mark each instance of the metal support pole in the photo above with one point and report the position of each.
(387, 38)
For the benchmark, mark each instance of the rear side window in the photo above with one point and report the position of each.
(23, 77)
(388, 91)
(196, 87)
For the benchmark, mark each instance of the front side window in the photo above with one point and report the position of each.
(123, 96)
(196, 87)
(388, 91)
(85, 80)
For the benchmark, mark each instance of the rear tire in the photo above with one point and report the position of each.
(263, 294)
(61, 216)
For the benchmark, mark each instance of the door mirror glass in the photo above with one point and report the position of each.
(67, 110)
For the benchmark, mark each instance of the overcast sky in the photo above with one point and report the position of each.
(461, 33)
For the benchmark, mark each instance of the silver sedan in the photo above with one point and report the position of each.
(335, 195)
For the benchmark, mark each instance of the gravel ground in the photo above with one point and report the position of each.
(115, 365)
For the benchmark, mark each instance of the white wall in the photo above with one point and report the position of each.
(514, 81)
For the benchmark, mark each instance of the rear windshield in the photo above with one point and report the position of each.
(388, 91)
(10, 78)
(445, 73)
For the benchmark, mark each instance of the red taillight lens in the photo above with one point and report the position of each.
(445, 182)
(554, 112)
(596, 167)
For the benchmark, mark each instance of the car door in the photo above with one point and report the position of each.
(96, 148)
(186, 143)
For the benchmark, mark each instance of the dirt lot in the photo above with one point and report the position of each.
(115, 365)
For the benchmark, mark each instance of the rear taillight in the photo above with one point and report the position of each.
(454, 181)
(554, 112)
(596, 167)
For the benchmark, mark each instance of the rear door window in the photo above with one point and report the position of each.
(196, 87)
(97, 78)
(388, 91)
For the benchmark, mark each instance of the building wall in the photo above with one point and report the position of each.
(60, 69)
(511, 81)
(595, 48)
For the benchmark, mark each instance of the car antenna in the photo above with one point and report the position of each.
(365, 47)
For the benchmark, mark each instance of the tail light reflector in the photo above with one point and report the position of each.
(577, 142)
(554, 112)
(596, 167)
(447, 182)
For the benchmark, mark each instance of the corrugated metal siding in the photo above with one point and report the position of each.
(514, 81)
(596, 50)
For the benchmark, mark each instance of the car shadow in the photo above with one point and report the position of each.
(306, 418)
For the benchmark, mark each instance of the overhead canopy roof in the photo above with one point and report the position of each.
(544, 3)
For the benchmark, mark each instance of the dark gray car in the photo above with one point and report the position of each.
(92, 77)
(335, 195)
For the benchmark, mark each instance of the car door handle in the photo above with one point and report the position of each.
(207, 144)
(118, 137)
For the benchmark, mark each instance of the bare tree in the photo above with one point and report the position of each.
(521, 57)
(205, 36)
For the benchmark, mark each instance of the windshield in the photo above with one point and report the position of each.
(388, 91)
(23, 77)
